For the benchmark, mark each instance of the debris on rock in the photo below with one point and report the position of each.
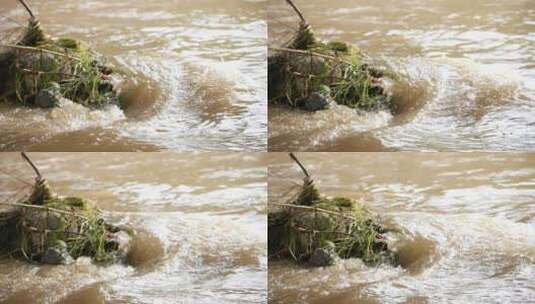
(38, 70)
(305, 66)
(315, 230)
(51, 229)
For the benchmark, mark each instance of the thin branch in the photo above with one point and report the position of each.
(298, 12)
(30, 48)
(25, 156)
(304, 229)
(45, 209)
(31, 71)
(314, 209)
(310, 53)
(27, 9)
(300, 165)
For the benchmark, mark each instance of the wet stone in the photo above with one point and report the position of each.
(315, 102)
(323, 257)
(53, 221)
(48, 98)
(57, 255)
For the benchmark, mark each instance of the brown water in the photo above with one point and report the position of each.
(199, 72)
(468, 223)
(201, 217)
(467, 75)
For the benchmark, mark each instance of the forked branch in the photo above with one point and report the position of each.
(300, 165)
(27, 7)
(25, 156)
(298, 12)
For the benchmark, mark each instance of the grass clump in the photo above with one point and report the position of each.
(316, 230)
(42, 70)
(306, 65)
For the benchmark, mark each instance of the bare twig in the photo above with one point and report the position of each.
(314, 209)
(27, 9)
(300, 165)
(34, 49)
(45, 209)
(38, 72)
(298, 12)
(25, 156)
(315, 54)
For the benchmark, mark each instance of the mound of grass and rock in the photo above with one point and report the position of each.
(38, 70)
(312, 75)
(315, 230)
(50, 229)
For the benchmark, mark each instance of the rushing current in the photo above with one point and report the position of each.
(466, 75)
(198, 73)
(201, 222)
(467, 225)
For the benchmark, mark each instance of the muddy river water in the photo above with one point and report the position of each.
(199, 69)
(201, 220)
(468, 223)
(467, 75)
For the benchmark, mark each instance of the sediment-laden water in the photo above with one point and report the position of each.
(201, 220)
(467, 75)
(199, 72)
(468, 223)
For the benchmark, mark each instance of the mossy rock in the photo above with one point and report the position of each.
(68, 43)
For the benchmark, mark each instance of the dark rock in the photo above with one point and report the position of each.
(53, 221)
(322, 257)
(315, 102)
(48, 98)
(105, 86)
(29, 99)
(57, 255)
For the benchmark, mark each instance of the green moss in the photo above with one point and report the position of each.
(309, 195)
(33, 35)
(68, 43)
(41, 193)
(338, 47)
(305, 39)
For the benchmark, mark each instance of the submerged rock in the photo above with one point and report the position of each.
(325, 256)
(48, 98)
(315, 102)
(57, 255)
